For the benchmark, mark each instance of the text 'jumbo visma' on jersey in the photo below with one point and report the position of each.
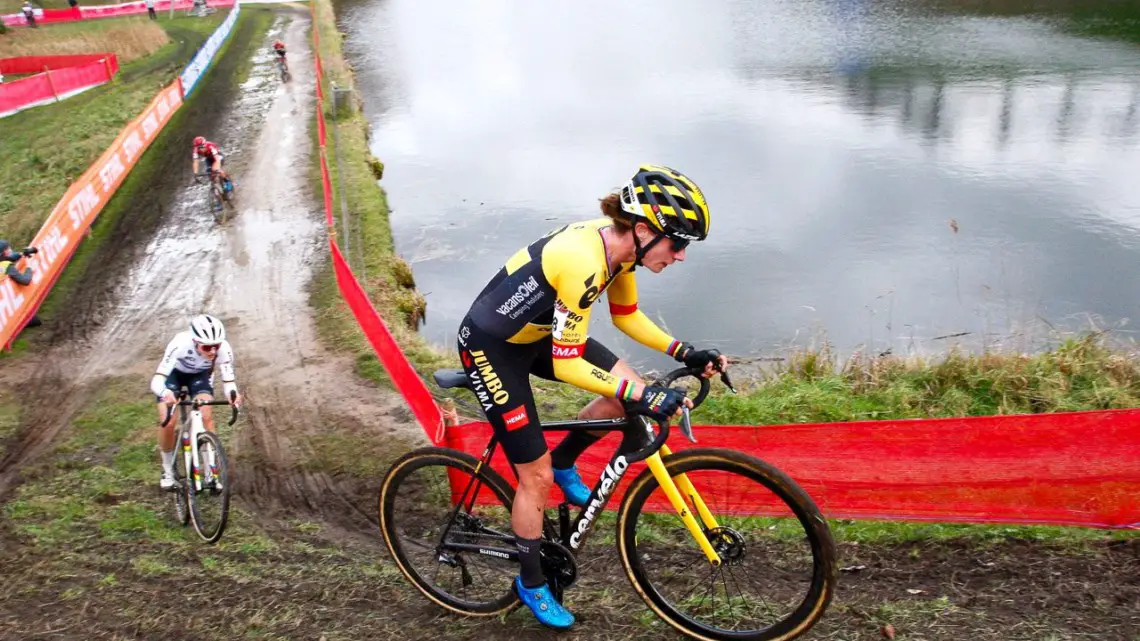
(549, 286)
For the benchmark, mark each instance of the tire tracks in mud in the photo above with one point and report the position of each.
(169, 260)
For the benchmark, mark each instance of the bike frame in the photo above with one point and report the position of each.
(574, 536)
(188, 430)
(189, 437)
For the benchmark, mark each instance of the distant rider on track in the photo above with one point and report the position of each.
(279, 49)
(209, 152)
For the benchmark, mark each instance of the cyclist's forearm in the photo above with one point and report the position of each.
(226, 369)
(581, 373)
(158, 384)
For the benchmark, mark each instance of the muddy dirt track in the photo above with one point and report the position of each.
(168, 259)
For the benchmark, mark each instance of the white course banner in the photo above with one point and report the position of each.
(205, 55)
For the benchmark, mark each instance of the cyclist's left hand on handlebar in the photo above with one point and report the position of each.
(710, 361)
(661, 403)
(237, 400)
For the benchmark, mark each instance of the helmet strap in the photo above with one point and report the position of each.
(639, 251)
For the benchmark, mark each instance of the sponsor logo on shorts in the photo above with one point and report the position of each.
(516, 418)
(487, 384)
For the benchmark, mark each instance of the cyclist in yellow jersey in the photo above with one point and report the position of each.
(532, 318)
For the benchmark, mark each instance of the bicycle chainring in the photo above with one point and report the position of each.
(559, 566)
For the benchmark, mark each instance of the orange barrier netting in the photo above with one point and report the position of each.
(1074, 468)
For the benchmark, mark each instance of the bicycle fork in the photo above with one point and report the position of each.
(677, 489)
(192, 456)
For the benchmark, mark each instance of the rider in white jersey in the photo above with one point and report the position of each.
(189, 362)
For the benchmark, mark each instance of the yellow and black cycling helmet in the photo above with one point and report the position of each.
(669, 201)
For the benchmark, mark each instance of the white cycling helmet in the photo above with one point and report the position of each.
(207, 330)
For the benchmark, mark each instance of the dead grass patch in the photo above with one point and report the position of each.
(128, 38)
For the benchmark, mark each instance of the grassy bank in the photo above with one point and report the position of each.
(46, 148)
(385, 276)
(1119, 19)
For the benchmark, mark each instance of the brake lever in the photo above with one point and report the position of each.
(727, 383)
(686, 426)
(723, 372)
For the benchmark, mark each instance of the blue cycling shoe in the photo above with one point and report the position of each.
(572, 486)
(548, 611)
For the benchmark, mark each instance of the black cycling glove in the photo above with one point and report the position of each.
(659, 403)
(696, 358)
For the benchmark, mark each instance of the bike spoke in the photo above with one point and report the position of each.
(423, 509)
(766, 561)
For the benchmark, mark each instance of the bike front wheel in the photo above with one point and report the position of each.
(449, 530)
(181, 475)
(209, 504)
(778, 560)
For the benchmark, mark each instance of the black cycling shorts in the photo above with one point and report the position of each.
(500, 374)
(197, 383)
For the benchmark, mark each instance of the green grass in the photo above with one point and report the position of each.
(1087, 372)
(9, 417)
(341, 454)
(90, 524)
(46, 148)
(101, 484)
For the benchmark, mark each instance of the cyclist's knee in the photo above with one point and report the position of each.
(602, 407)
(537, 475)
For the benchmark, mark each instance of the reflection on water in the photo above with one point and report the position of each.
(885, 172)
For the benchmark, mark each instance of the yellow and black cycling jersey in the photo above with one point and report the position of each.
(549, 286)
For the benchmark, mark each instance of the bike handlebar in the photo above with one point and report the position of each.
(196, 404)
(686, 426)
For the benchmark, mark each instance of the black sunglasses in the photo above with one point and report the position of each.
(679, 243)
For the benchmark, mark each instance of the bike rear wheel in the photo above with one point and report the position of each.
(778, 559)
(419, 519)
(210, 506)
